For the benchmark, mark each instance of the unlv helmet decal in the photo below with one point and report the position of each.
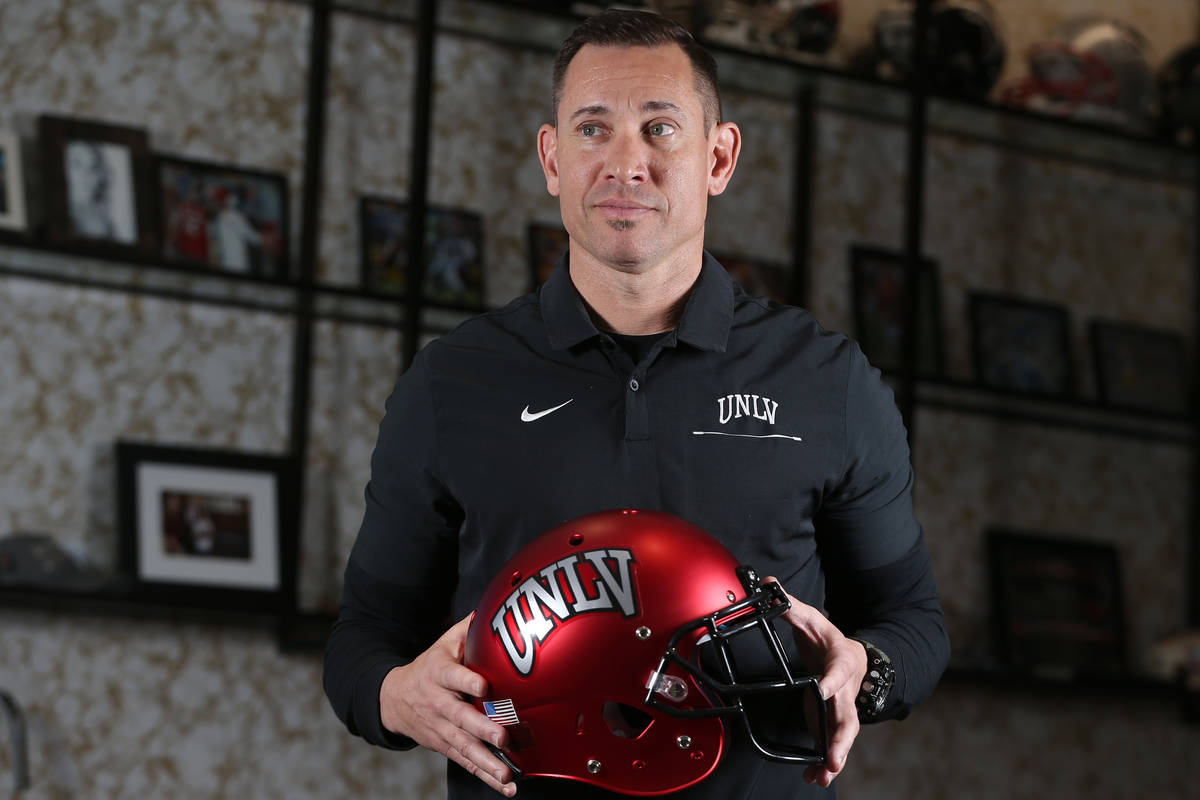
(522, 626)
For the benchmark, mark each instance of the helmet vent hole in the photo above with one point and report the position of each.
(515, 578)
(579, 724)
(575, 540)
(625, 721)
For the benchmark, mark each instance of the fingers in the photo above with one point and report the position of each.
(843, 663)
(424, 700)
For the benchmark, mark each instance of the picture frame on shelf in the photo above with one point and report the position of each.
(1057, 604)
(1140, 368)
(222, 218)
(878, 289)
(1021, 345)
(547, 243)
(759, 277)
(14, 216)
(454, 273)
(97, 182)
(207, 527)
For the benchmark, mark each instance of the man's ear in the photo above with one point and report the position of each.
(547, 147)
(725, 142)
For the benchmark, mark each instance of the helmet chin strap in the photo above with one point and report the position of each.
(517, 774)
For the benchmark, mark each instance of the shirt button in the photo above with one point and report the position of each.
(634, 385)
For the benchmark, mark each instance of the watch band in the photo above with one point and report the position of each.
(877, 683)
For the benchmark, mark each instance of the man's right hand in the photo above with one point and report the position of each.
(424, 701)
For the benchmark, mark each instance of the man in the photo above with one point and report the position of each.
(639, 375)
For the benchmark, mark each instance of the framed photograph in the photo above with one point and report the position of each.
(760, 278)
(207, 527)
(1021, 345)
(13, 216)
(879, 301)
(97, 187)
(1139, 368)
(547, 243)
(222, 218)
(453, 252)
(1057, 604)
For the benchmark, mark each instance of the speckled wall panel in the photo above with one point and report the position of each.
(84, 368)
(354, 370)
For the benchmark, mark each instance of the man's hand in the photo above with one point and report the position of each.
(843, 663)
(424, 701)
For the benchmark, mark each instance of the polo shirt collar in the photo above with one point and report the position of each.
(704, 324)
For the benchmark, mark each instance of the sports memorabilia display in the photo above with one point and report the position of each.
(1090, 68)
(964, 45)
(608, 647)
(789, 28)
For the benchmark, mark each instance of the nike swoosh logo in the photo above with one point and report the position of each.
(748, 435)
(530, 416)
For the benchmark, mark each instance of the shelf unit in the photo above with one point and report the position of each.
(811, 87)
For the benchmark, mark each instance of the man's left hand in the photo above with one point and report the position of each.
(843, 664)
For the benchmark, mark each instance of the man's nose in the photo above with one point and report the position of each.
(627, 159)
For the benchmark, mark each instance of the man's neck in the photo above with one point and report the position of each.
(642, 302)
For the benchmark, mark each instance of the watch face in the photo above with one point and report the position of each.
(877, 683)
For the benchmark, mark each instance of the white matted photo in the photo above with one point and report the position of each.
(209, 527)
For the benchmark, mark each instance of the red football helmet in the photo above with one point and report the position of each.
(1090, 68)
(607, 644)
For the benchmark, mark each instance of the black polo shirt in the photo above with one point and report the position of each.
(748, 419)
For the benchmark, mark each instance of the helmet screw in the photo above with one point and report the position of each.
(593, 766)
(642, 633)
(730, 596)
(684, 742)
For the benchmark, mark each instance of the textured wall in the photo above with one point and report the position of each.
(123, 708)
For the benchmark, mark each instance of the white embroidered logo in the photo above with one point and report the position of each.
(737, 406)
(530, 416)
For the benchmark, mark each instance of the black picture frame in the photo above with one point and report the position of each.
(222, 217)
(454, 268)
(98, 191)
(878, 297)
(207, 528)
(546, 245)
(1140, 368)
(1021, 345)
(1057, 604)
(759, 277)
(14, 213)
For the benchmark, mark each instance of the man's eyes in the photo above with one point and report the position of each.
(590, 130)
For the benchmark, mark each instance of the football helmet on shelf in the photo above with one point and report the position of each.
(608, 644)
(964, 45)
(1090, 68)
(1179, 95)
(780, 27)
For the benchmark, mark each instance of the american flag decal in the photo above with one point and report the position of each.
(501, 711)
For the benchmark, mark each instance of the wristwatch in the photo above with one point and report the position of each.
(877, 683)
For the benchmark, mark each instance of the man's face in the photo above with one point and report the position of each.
(630, 159)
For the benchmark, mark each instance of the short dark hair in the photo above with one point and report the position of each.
(627, 28)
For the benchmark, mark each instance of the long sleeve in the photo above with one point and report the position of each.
(879, 578)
